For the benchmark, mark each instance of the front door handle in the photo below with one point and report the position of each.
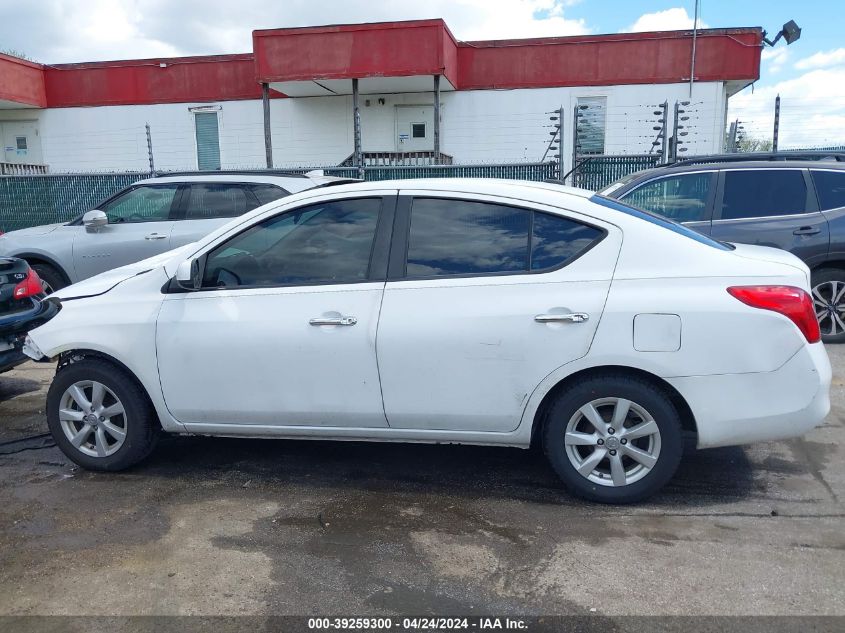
(347, 320)
(807, 230)
(155, 236)
(574, 317)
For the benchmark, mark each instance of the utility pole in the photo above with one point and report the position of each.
(356, 123)
(777, 125)
(731, 148)
(150, 149)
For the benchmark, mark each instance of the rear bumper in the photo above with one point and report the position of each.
(733, 409)
(13, 329)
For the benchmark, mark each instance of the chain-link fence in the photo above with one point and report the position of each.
(44, 199)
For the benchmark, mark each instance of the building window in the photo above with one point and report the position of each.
(592, 121)
(21, 142)
(208, 140)
(418, 130)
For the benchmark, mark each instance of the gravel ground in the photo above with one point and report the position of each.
(233, 527)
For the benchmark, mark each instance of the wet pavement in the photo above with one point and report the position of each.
(224, 526)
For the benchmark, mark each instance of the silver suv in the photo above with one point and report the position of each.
(147, 218)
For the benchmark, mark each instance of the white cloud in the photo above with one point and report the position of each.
(675, 19)
(812, 110)
(775, 58)
(822, 59)
(56, 31)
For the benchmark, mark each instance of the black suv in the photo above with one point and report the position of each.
(798, 206)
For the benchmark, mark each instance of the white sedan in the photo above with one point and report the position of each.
(446, 311)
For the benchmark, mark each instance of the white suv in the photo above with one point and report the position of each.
(147, 218)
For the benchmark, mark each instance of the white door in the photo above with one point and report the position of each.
(139, 227)
(283, 331)
(460, 344)
(21, 143)
(415, 128)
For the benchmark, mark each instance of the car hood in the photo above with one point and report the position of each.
(35, 230)
(102, 283)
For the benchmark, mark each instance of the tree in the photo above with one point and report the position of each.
(753, 144)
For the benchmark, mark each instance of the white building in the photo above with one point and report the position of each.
(495, 99)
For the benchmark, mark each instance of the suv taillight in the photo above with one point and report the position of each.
(29, 287)
(793, 303)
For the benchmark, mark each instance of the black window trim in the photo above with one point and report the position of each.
(811, 205)
(379, 252)
(709, 210)
(397, 269)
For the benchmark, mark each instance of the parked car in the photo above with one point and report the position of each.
(149, 217)
(21, 309)
(445, 311)
(792, 205)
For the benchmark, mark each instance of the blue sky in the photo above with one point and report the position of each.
(809, 75)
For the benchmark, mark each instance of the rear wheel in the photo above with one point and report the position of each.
(100, 417)
(829, 303)
(51, 279)
(613, 439)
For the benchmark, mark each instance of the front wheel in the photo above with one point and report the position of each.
(613, 439)
(829, 303)
(100, 417)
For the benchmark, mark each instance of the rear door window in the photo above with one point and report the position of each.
(762, 193)
(830, 188)
(267, 193)
(682, 197)
(463, 238)
(218, 200)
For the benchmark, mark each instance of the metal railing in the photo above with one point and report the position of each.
(21, 169)
(410, 158)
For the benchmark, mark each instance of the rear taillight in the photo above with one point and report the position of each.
(29, 287)
(793, 303)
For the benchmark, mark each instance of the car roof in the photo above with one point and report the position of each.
(491, 186)
(785, 155)
(287, 180)
(758, 164)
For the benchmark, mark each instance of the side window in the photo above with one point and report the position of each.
(324, 243)
(267, 193)
(217, 200)
(682, 198)
(146, 203)
(458, 237)
(556, 240)
(830, 187)
(756, 193)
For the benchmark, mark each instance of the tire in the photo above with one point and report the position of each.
(827, 283)
(630, 480)
(106, 452)
(51, 278)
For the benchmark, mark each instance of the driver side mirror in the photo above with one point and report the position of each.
(188, 276)
(93, 220)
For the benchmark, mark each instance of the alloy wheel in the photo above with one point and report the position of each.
(93, 418)
(829, 303)
(612, 442)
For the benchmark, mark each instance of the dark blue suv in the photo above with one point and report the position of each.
(798, 206)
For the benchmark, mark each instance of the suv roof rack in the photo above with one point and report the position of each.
(741, 157)
(232, 172)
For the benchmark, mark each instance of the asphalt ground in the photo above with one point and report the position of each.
(212, 526)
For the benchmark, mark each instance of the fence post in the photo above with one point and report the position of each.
(150, 149)
(356, 129)
(777, 125)
(268, 137)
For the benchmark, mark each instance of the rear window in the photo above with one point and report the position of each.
(763, 193)
(830, 187)
(680, 229)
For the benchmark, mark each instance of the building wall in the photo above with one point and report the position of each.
(492, 126)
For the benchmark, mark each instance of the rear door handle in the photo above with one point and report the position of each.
(347, 320)
(807, 230)
(155, 236)
(574, 317)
